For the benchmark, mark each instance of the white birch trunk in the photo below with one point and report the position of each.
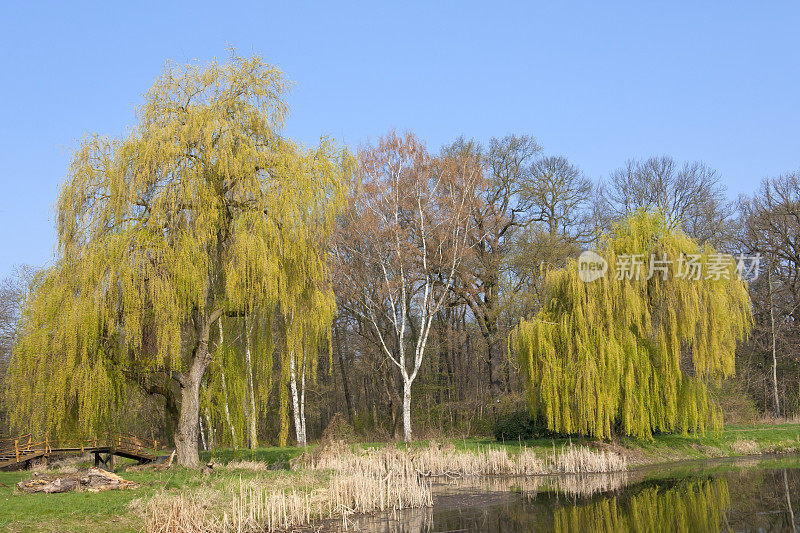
(210, 430)
(248, 366)
(303, 403)
(407, 434)
(774, 344)
(225, 392)
(203, 440)
(297, 411)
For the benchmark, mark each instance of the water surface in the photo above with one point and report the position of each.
(755, 494)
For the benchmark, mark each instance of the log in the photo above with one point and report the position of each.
(91, 480)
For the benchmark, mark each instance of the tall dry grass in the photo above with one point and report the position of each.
(179, 513)
(257, 509)
(578, 486)
(255, 506)
(444, 461)
(580, 459)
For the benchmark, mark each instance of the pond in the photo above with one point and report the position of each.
(755, 494)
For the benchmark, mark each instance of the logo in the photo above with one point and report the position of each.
(591, 266)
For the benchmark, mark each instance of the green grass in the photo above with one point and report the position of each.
(773, 438)
(271, 455)
(83, 511)
(118, 510)
(121, 510)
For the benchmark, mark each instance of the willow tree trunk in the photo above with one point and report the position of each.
(188, 420)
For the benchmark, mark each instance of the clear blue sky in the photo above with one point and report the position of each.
(599, 82)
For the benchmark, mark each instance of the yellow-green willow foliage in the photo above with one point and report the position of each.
(204, 210)
(686, 506)
(224, 396)
(307, 319)
(636, 354)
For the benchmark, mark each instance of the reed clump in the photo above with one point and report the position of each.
(251, 466)
(746, 447)
(348, 480)
(578, 486)
(262, 505)
(258, 509)
(580, 459)
(179, 513)
(435, 461)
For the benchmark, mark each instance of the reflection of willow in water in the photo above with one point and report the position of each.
(685, 506)
(592, 503)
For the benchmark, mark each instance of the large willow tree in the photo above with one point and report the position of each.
(636, 355)
(203, 211)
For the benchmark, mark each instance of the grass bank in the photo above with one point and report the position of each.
(248, 487)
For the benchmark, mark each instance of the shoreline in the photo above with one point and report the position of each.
(266, 470)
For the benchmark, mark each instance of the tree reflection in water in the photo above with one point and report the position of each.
(686, 506)
(739, 496)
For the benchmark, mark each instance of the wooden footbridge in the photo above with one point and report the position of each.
(25, 449)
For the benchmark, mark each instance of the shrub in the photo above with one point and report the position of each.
(338, 430)
(518, 425)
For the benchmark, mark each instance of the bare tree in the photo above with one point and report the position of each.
(770, 227)
(12, 292)
(559, 197)
(689, 195)
(401, 245)
(498, 211)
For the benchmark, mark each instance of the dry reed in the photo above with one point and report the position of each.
(258, 509)
(255, 506)
(579, 485)
(169, 513)
(435, 461)
(365, 481)
(579, 459)
(252, 466)
(746, 447)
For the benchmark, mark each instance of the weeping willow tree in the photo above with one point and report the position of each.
(201, 212)
(635, 353)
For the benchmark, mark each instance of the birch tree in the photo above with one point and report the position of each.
(400, 246)
(309, 319)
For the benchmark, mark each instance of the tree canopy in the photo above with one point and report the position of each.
(204, 210)
(635, 352)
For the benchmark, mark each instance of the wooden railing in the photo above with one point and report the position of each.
(17, 448)
(134, 444)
